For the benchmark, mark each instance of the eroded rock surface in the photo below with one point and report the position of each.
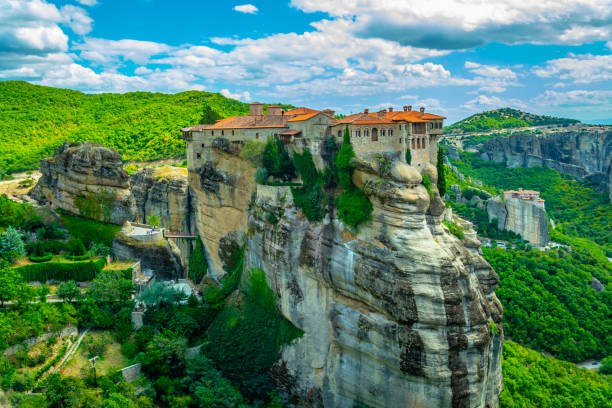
(401, 313)
(86, 179)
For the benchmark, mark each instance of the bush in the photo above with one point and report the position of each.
(129, 350)
(44, 258)
(427, 184)
(95, 344)
(276, 160)
(99, 249)
(310, 198)
(253, 151)
(51, 231)
(261, 175)
(454, 229)
(62, 271)
(11, 245)
(198, 266)
(40, 248)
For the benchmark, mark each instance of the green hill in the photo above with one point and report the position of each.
(34, 120)
(503, 119)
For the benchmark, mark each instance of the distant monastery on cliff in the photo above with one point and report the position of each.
(371, 132)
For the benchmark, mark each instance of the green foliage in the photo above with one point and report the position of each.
(11, 245)
(427, 184)
(440, 168)
(153, 220)
(68, 291)
(89, 231)
(198, 266)
(245, 344)
(311, 197)
(408, 156)
(43, 258)
(215, 296)
(548, 303)
(276, 160)
(96, 345)
(158, 295)
(75, 247)
(10, 284)
(503, 119)
(261, 175)
(209, 116)
(533, 380)
(454, 229)
(253, 151)
(164, 356)
(40, 248)
(354, 207)
(578, 210)
(17, 215)
(606, 365)
(61, 271)
(142, 126)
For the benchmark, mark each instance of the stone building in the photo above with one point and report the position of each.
(383, 131)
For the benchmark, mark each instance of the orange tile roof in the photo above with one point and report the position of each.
(303, 117)
(300, 111)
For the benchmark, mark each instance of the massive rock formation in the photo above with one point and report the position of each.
(86, 179)
(587, 153)
(523, 217)
(401, 313)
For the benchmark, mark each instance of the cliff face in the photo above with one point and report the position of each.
(580, 154)
(86, 179)
(400, 314)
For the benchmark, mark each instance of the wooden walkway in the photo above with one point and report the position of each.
(170, 234)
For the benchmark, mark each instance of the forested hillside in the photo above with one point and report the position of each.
(34, 120)
(503, 119)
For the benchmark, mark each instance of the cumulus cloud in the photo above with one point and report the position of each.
(88, 2)
(76, 18)
(104, 51)
(241, 96)
(458, 24)
(484, 102)
(579, 69)
(246, 8)
(600, 98)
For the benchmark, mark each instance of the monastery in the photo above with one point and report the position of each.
(371, 132)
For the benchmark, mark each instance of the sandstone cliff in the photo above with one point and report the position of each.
(520, 216)
(400, 314)
(580, 154)
(86, 179)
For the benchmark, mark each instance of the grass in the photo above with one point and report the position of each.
(111, 359)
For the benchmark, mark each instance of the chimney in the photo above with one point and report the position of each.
(422, 110)
(382, 113)
(405, 108)
(329, 112)
(409, 108)
(366, 111)
(274, 110)
(390, 109)
(255, 109)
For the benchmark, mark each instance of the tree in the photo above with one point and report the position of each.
(198, 266)
(209, 116)
(164, 356)
(153, 220)
(10, 284)
(76, 247)
(440, 168)
(408, 156)
(68, 291)
(276, 160)
(111, 288)
(159, 296)
(11, 245)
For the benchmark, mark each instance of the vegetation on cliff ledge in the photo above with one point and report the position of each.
(503, 119)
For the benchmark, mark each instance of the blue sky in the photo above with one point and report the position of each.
(455, 57)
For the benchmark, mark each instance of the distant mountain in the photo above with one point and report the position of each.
(503, 119)
(34, 120)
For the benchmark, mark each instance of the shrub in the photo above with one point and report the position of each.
(62, 271)
(99, 249)
(198, 266)
(68, 290)
(454, 229)
(253, 151)
(96, 344)
(276, 160)
(261, 175)
(427, 184)
(40, 248)
(51, 231)
(45, 258)
(11, 245)
(153, 220)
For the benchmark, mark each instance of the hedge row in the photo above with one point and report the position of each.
(45, 258)
(62, 271)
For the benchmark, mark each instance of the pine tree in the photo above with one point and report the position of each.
(440, 168)
(198, 266)
(408, 156)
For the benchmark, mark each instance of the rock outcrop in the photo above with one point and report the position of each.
(524, 217)
(587, 153)
(86, 179)
(401, 313)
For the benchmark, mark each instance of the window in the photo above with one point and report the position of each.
(212, 132)
(358, 132)
(198, 155)
(222, 132)
(202, 144)
(400, 140)
(366, 132)
(339, 133)
(256, 135)
(232, 133)
(390, 132)
(382, 132)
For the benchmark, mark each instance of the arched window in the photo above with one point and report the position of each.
(390, 132)
(212, 132)
(222, 132)
(339, 133)
(366, 132)
(382, 132)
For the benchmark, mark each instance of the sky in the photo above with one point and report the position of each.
(454, 57)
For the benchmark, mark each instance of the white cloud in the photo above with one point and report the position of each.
(142, 71)
(579, 69)
(491, 78)
(484, 102)
(246, 8)
(244, 96)
(579, 98)
(77, 19)
(88, 2)
(104, 51)
(457, 24)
